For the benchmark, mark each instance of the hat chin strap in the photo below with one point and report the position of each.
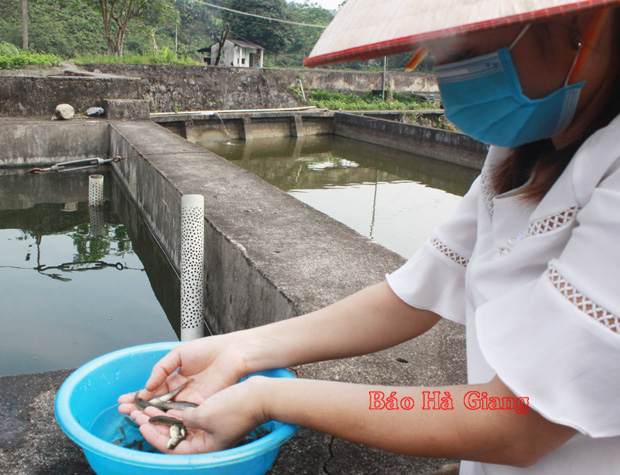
(520, 35)
(591, 37)
(589, 40)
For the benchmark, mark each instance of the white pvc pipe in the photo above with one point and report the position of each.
(95, 190)
(97, 220)
(234, 111)
(192, 266)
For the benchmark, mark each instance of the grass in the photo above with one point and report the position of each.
(368, 101)
(408, 103)
(11, 57)
(166, 56)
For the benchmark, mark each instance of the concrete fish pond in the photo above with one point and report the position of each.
(395, 198)
(86, 411)
(268, 257)
(73, 279)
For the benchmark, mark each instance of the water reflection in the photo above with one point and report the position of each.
(71, 284)
(393, 197)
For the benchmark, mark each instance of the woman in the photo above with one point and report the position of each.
(528, 262)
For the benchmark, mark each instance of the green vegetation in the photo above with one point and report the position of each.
(411, 105)
(117, 16)
(8, 49)
(11, 57)
(368, 101)
(273, 36)
(166, 56)
(54, 27)
(440, 122)
(75, 29)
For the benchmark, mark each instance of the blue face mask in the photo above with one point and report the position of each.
(482, 97)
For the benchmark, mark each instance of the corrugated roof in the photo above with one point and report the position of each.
(245, 44)
(241, 43)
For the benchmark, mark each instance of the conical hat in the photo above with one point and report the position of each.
(366, 29)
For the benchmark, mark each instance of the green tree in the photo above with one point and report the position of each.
(271, 35)
(117, 14)
(304, 38)
(113, 242)
(198, 27)
(53, 27)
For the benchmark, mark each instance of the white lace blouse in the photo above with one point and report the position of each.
(539, 290)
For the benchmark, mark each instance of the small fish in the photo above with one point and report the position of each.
(132, 444)
(178, 405)
(170, 395)
(177, 434)
(140, 403)
(164, 402)
(130, 422)
(177, 429)
(166, 420)
(256, 434)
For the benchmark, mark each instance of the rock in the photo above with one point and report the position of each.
(94, 111)
(64, 112)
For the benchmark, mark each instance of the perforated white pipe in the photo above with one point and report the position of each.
(95, 190)
(192, 266)
(97, 220)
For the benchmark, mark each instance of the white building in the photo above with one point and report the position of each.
(236, 53)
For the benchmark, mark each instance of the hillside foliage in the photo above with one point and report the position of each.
(73, 29)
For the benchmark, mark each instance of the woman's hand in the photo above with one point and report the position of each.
(219, 423)
(368, 321)
(214, 363)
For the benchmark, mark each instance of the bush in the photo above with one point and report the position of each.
(11, 57)
(8, 49)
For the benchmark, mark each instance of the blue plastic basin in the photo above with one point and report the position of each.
(91, 393)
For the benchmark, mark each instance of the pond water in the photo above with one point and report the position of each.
(72, 285)
(393, 197)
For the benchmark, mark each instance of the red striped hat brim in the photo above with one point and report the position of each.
(367, 29)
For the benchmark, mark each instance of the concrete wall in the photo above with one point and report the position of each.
(361, 81)
(39, 95)
(173, 88)
(23, 191)
(177, 88)
(435, 143)
(268, 255)
(170, 88)
(50, 142)
(247, 126)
